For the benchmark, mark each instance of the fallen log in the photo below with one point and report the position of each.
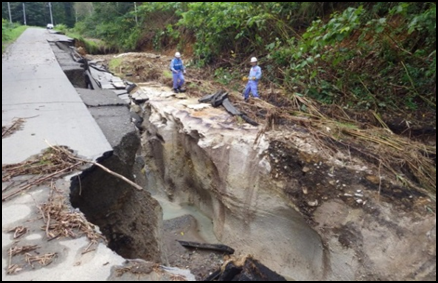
(204, 246)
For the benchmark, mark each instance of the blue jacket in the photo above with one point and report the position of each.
(256, 72)
(176, 65)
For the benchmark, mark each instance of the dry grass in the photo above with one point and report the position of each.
(50, 161)
(175, 278)
(18, 231)
(43, 260)
(61, 222)
(16, 250)
(408, 161)
(396, 154)
(52, 164)
(138, 268)
(13, 269)
(16, 125)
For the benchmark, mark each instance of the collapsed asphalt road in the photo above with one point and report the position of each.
(35, 88)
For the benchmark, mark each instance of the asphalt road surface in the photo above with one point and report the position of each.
(35, 88)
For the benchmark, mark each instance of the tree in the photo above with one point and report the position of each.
(83, 10)
(37, 13)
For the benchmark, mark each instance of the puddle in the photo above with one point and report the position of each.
(173, 210)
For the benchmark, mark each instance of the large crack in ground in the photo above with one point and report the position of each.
(274, 204)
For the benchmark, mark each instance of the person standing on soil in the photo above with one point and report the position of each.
(255, 73)
(178, 71)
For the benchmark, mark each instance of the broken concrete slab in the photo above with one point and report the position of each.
(139, 96)
(74, 71)
(120, 91)
(100, 97)
(125, 97)
(103, 79)
(33, 85)
(91, 82)
(115, 122)
(118, 83)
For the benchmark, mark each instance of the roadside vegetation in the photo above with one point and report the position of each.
(363, 74)
(360, 72)
(10, 32)
(361, 55)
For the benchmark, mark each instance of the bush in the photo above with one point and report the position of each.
(61, 28)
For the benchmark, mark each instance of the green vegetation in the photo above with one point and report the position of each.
(38, 13)
(114, 65)
(61, 28)
(368, 55)
(10, 32)
(114, 23)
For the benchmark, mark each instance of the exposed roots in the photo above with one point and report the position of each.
(410, 162)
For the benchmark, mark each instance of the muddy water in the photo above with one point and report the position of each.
(173, 210)
(185, 222)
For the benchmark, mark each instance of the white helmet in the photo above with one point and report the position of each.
(253, 59)
(178, 55)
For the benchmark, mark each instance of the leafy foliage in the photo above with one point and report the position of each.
(10, 32)
(374, 55)
(37, 13)
(363, 61)
(112, 22)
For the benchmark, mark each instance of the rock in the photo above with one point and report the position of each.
(373, 179)
(198, 107)
(181, 96)
(136, 108)
(247, 269)
(306, 169)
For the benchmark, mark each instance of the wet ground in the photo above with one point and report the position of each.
(187, 223)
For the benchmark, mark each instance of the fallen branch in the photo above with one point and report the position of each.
(38, 182)
(15, 126)
(116, 175)
(211, 247)
(13, 269)
(44, 260)
(8, 186)
(18, 231)
(98, 165)
(21, 249)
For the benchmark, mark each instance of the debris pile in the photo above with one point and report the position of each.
(52, 164)
(244, 269)
(221, 98)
